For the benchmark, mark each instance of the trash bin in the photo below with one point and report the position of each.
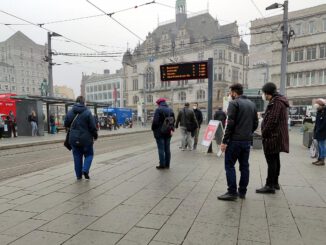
(6, 129)
(257, 142)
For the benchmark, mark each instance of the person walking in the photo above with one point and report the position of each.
(188, 125)
(320, 131)
(241, 123)
(219, 115)
(163, 127)
(199, 118)
(13, 123)
(33, 120)
(275, 135)
(82, 135)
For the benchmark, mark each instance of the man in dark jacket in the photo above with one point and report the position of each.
(163, 139)
(199, 117)
(83, 132)
(220, 115)
(188, 125)
(242, 122)
(275, 134)
(320, 131)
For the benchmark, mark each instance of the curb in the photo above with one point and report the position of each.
(48, 142)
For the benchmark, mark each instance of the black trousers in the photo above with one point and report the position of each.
(273, 168)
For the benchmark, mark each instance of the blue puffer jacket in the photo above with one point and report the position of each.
(83, 130)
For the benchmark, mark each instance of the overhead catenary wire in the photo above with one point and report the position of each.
(27, 21)
(115, 20)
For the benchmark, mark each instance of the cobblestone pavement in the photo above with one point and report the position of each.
(128, 201)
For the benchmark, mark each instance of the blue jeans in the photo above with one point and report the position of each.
(164, 152)
(53, 129)
(78, 154)
(322, 149)
(237, 151)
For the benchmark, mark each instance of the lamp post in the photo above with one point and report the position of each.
(50, 63)
(285, 39)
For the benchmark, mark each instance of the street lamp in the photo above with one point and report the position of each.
(50, 64)
(285, 39)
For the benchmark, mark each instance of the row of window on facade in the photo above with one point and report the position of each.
(308, 78)
(182, 97)
(102, 87)
(308, 53)
(7, 70)
(7, 79)
(311, 27)
(102, 96)
(6, 87)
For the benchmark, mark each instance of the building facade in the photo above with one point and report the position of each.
(7, 78)
(106, 88)
(185, 39)
(27, 58)
(306, 70)
(64, 92)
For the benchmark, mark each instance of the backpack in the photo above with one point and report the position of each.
(168, 125)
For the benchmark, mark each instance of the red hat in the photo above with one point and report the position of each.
(160, 100)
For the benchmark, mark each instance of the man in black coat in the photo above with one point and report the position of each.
(199, 117)
(163, 139)
(83, 132)
(320, 131)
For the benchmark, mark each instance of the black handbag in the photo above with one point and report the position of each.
(66, 142)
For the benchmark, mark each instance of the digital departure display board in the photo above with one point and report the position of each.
(184, 71)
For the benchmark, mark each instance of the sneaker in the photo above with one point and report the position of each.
(86, 175)
(242, 196)
(315, 161)
(79, 178)
(266, 190)
(228, 197)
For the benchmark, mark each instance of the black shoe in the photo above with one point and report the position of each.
(160, 167)
(228, 197)
(79, 178)
(277, 187)
(266, 190)
(86, 175)
(242, 196)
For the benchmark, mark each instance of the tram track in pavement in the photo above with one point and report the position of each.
(18, 161)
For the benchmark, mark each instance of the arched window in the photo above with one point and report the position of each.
(149, 98)
(182, 96)
(135, 99)
(150, 77)
(201, 95)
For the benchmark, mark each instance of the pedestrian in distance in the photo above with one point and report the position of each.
(32, 118)
(320, 131)
(13, 123)
(82, 135)
(275, 135)
(188, 125)
(199, 118)
(219, 115)
(52, 124)
(163, 127)
(242, 121)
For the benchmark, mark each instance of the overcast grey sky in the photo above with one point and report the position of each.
(104, 31)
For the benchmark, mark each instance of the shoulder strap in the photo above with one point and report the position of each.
(71, 125)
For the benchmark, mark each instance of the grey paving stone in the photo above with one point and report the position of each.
(278, 200)
(244, 242)
(138, 236)
(16, 194)
(301, 212)
(285, 235)
(154, 221)
(159, 243)
(5, 239)
(5, 190)
(11, 218)
(24, 227)
(98, 206)
(254, 229)
(253, 208)
(120, 220)
(312, 231)
(211, 234)
(141, 200)
(303, 196)
(6, 206)
(171, 233)
(45, 202)
(68, 224)
(94, 238)
(57, 211)
(281, 217)
(24, 199)
(166, 206)
(42, 237)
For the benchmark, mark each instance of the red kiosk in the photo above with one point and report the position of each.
(7, 104)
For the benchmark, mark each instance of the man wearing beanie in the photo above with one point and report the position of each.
(162, 127)
(275, 134)
(320, 131)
